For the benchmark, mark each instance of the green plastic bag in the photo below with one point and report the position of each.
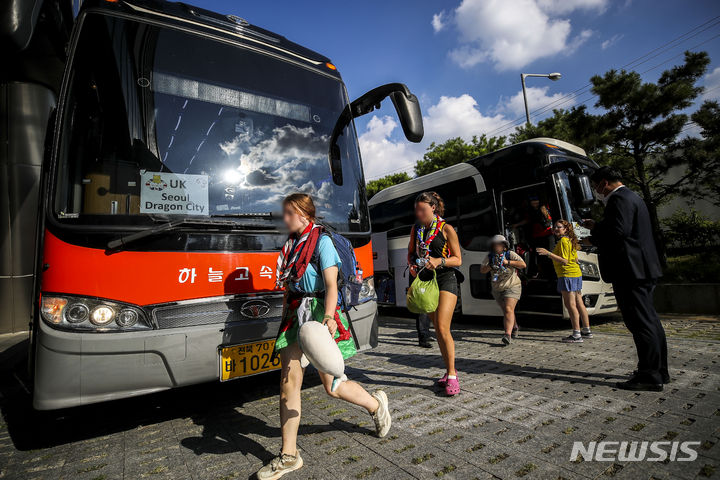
(423, 296)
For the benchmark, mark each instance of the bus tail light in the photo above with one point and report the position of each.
(92, 314)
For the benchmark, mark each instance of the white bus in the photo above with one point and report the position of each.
(488, 195)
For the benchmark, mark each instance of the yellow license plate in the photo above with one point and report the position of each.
(249, 359)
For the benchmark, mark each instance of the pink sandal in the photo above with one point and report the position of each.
(452, 387)
(442, 381)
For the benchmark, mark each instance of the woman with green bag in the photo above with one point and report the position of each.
(433, 256)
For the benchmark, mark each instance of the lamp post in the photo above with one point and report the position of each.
(552, 76)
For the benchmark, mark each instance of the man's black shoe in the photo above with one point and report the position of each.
(639, 386)
(665, 380)
(424, 344)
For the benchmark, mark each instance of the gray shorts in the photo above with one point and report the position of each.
(512, 292)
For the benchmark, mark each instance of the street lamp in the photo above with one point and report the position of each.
(552, 76)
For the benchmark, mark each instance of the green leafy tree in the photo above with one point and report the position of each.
(456, 150)
(374, 186)
(643, 121)
(691, 229)
(703, 154)
(575, 126)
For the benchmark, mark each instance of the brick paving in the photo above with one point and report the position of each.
(683, 326)
(521, 409)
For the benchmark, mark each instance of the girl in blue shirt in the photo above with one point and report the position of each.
(316, 293)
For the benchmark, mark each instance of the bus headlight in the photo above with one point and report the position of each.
(92, 315)
(367, 291)
(589, 270)
(77, 313)
(102, 315)
(127, 317)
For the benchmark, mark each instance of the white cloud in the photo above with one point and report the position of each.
(450, 117)
(458, 117)
(439, 21)
(611, 41)
(380, 153)
(567, 6)
(514, 33)
(467, 56)
(578, 40)
(711, 82)
(537, 98)
(385, 150)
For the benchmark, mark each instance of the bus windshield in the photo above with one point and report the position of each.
(566, 198)
(158, 121)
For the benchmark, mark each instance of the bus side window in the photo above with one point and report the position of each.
(478, 221)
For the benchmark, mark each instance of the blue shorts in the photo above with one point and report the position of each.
(569, 284)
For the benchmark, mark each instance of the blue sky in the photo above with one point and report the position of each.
(463, 58)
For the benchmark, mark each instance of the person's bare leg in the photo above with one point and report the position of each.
(443, 350)
(444, 314)
(291, 378)
(584, 317)
(509, 314)
(569, 301)
(351, 392)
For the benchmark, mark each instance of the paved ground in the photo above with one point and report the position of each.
(520, 411)
(682, 326)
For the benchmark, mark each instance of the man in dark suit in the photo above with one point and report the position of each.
(628, 259)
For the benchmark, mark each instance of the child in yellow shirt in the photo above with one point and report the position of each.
(569, 283)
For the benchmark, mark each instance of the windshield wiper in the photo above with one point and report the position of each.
(124, 240)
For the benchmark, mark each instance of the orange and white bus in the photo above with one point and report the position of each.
(176, 135)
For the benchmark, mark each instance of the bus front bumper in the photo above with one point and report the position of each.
(77, 368)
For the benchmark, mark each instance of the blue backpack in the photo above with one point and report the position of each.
(350, 273)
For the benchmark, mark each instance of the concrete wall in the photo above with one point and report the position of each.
(698, 298)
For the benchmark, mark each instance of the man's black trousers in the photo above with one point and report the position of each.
(635, 299)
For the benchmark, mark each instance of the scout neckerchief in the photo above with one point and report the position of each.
(295, 255)
(422, 243)
(497, 260)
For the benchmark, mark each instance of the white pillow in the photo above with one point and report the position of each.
(320, 348)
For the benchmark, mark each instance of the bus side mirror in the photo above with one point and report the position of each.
(582, 190)
(406, 105)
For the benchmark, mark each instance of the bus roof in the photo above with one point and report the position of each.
(554, 142)
(477, 165)
(540, 145)
(229, 26)
(426, 182)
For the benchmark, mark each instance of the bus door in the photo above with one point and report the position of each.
(528, 228)
(516, 214)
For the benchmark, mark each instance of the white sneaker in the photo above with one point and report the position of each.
(279, 466)
(382, 418)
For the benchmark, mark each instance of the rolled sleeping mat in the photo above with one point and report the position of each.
(321, 350)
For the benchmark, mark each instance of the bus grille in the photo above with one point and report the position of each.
(188, 314)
